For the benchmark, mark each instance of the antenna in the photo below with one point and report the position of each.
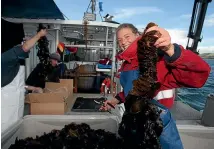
(91, 16)
(93, 6)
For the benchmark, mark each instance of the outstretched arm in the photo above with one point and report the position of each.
(11, 56)
(31, 42)
(183, 68)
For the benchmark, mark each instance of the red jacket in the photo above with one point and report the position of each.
(183, 69)
(105, 83)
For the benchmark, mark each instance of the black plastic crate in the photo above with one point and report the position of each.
(87, 105)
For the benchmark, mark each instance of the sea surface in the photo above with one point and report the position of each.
(196, 98)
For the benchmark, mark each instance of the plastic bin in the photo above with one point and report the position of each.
(33, 125)
(86, 104)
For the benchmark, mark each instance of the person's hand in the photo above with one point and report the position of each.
(42, 32)
(30, 88)
(107, 107)
(34, 89)
(37, 90)
(164, 41)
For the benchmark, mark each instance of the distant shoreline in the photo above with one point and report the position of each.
(207, 55)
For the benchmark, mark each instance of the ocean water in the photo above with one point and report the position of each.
(196, 98)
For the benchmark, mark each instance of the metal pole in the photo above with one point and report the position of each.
(89, 46)
(27, 68)
(106, 41)
(93, 6)
(57, 39)
(113, 58)
(106, 36)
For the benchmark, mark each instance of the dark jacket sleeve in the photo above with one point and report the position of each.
(54, 75)
(10, 64)
(14, 54)
(34, 79)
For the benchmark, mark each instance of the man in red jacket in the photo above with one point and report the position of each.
(105, 86)
(176, 66)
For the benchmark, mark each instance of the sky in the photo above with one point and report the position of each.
(173, 15)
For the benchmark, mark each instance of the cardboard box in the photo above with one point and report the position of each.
(56, 99)
(64, 83)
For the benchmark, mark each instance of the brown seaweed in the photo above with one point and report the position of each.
(43, 53)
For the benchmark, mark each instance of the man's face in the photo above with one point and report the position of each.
(53, 62)
(125, 37)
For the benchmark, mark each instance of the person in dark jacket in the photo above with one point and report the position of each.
(56, 72)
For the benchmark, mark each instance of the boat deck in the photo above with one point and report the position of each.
(181, 111)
